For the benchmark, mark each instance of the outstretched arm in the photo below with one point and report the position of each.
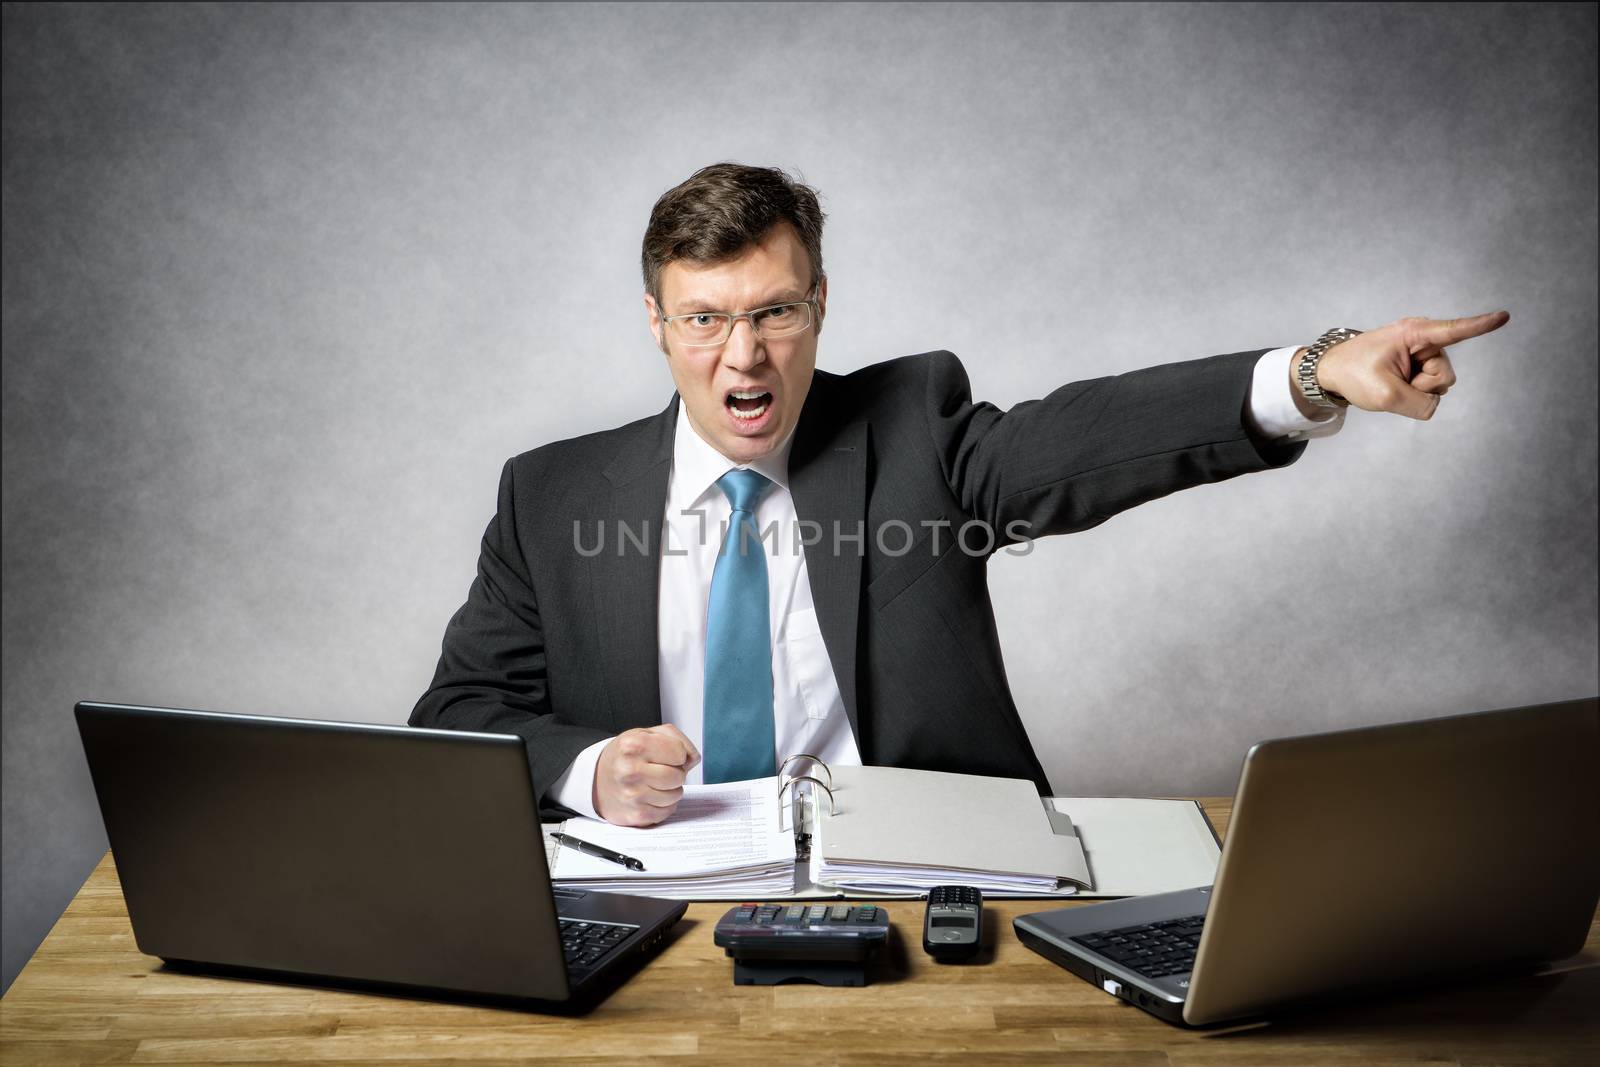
(1091, 449)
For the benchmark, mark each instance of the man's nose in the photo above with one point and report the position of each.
(743, 349)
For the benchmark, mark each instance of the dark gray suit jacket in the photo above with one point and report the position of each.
(559, 646)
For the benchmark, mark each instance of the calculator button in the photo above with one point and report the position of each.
(840, 912)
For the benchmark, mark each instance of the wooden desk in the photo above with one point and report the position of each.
(88, 996)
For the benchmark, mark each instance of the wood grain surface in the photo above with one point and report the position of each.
(88, 996)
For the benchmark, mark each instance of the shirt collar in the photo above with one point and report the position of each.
(696, 466)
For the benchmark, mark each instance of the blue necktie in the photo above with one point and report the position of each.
(738, 736)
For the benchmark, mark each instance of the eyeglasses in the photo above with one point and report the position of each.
(703, 329)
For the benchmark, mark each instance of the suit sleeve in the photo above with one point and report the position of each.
(1091, 449)
(491, 674)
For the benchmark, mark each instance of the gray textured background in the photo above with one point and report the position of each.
(283, 286)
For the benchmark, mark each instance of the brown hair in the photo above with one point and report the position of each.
(724, 208)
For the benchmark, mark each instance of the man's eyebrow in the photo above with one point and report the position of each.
(697, 304)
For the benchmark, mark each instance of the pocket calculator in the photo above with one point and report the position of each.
(830, 944)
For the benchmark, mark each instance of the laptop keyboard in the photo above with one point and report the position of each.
(1154, 950)
(586, 944)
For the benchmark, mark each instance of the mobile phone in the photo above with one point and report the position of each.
(953, 926)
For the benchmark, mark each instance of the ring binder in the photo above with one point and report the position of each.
(833, 805)
(887, 831)
(805, 755)
(802, 840)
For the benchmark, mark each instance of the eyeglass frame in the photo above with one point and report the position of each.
(809, 301)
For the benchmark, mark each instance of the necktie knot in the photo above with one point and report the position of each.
(744, 489)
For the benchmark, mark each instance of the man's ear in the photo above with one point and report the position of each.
(822, 302)
(654, 312)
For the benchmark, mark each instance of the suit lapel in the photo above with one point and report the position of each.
(828, 480)
(627, 585)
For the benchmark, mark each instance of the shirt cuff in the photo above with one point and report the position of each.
(575, 788)
(1272, 412)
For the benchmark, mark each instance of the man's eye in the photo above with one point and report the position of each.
(780, 313)
(702, 321)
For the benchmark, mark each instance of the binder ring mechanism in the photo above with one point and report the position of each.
(816, 783)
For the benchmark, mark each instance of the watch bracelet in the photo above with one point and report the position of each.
(1306, 369)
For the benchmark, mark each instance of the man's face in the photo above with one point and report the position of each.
(776, 271)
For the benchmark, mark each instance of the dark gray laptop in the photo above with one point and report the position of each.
(1366, 859)
(369, 855)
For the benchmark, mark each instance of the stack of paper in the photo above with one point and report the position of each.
(723, 840)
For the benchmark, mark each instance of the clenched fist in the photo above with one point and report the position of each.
(638, 780)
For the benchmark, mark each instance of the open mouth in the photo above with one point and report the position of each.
(748, 404)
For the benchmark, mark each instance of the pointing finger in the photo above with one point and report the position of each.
(1443, 332)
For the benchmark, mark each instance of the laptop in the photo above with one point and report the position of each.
(374, 856)
(1362, 860)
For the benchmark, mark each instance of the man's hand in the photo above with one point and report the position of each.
(638, 779)
(1401, 367)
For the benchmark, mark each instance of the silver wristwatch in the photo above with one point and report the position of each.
(1306, 373)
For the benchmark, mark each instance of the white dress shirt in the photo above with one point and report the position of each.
(808, 710)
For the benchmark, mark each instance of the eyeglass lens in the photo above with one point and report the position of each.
(714, 327)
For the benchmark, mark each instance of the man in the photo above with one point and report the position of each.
(786, 560)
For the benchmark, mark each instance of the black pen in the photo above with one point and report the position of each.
(603, 853)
